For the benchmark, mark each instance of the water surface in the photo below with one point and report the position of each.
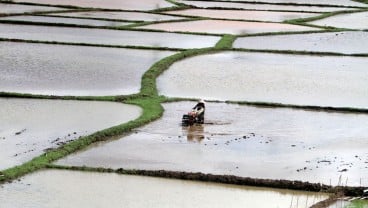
(315, 2)
(338, 42)
(262, 7)
(277, 78)
(29, 126)
(106, 37)
(62, 20)
(106, 4)
(58, 188)
(225, 26)
(243, 14)
(17, 8)
(356, 20)
(245, 141)
(129, 16)
(73, 70)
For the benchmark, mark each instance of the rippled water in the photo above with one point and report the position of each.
(266, 77)
(224, 26)
(56, 188)
(29, 126)
(351, 20)
(339, 42)
(245, 141)
(243, 15)
(73, 70)
(106, 37)
(62, 20)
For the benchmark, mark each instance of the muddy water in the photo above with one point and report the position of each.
(83, 189)
(309, 80)
(107, 37)
(352, 21)
(73, 70)
(62, 20)
(106, 4)
(129, 16)
(243, 15)
(29, 126)
(223, 26)
(263, 7)
(311, 2)
(244, 141)
(16, 8)
(340, 42)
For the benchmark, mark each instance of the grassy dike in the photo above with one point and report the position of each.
(148, 99)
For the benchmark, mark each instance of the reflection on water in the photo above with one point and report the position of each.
(356, 20)
(194, 133)
(105, 37)
(224, 26)
(73, 70)
(243, 14)
(337, 42)
(28, 126)
(244, 141)
(57, 188)
(310, 80)
(262, 7)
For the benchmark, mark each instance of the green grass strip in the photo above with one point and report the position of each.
(226, 42)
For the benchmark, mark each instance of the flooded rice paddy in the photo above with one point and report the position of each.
(106, 4)
(63, 20)
(243, 14)
(105, 37)
(244, 141)
(265, 77)
(310, 2)
(350, 20)
(224, 26)
(43, 189)
(260, 7)
(28, 127)
(73, 70)
(128, 16)
(16, 8)
(347, 42)
(318, 146)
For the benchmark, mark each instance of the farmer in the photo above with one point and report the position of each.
(200, 109)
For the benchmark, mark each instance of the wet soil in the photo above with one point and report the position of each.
(244, 141)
